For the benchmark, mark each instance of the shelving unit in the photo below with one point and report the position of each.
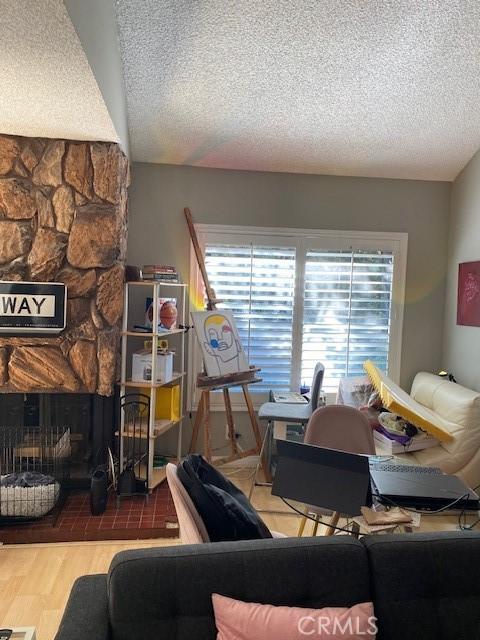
(156, 427)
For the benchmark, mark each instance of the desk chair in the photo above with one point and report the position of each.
(191, 525)
(345, 429)
(291, 413)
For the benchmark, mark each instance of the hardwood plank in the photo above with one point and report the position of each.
(35, 580)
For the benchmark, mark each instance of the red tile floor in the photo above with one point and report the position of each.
(134, 518)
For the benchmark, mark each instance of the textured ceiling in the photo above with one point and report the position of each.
(46, 85)
(349, 87)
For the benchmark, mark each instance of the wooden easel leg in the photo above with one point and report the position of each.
(230, 422)
(303, 522)
(207, 451)
(330, 531)
(256, 431)
(196, 426)
(253, 417)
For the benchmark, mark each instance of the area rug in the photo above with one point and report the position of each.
(132, 519)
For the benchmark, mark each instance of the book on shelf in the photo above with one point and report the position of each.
(161, 279)
(152, 269)
(160, 273)
(158, 267)
(157, 274)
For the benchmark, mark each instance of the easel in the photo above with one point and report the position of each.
(224, 383)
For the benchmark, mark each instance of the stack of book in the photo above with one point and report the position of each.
(390, 445)
(159, 273)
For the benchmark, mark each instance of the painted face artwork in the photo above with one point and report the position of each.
(220, 338)
(220, 342)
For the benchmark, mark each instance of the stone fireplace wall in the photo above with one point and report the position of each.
(63, 218)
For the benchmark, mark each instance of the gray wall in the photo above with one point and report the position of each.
(95, 22)
(461, 347)
(157, 233)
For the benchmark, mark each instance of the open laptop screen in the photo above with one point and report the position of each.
(322, 477)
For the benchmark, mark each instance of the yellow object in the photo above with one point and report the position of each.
(398, 401)
(168, 403)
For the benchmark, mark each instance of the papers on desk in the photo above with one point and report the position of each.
(289, 397)
(386, 520)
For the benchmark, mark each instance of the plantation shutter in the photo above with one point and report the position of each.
(257, 284)
(346, 318)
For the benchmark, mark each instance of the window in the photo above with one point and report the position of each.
(257, 283)
(300, 297)
(346, 317)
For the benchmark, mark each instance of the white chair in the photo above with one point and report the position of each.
(289, 413)
(192, 528)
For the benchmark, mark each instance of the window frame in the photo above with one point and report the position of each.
(303, 240)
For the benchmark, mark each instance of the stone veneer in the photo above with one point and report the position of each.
(63, 218)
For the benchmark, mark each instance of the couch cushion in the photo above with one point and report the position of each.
(166, 593)
(426, 585)
(458, 410)
(237, 620)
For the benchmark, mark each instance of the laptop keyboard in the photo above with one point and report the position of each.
(406, 468)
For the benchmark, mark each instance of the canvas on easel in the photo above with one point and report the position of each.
(220, 342)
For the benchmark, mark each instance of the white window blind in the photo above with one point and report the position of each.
(347, 312)
(257, 283)
(301, 297)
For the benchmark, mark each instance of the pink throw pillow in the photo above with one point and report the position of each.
(237, 620)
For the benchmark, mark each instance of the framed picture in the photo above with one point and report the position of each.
(468, 307)
(219, 341)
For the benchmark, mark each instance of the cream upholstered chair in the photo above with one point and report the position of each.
(344, 429)
(192, 528)
(457, 410)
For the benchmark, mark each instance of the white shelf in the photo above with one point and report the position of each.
(155, 428)
(154, 385)
(146, 334)
(157, 476)
(160, 427)
(151, 283)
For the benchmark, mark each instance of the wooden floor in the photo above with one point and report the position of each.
(35, 580)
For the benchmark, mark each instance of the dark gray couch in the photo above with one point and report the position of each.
(424, 586)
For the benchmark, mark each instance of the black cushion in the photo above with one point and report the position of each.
(224, 509)
(426, 585)
(165, 593)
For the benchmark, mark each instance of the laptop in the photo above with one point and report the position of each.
(344, 482)
(424, 488)
(321, 477)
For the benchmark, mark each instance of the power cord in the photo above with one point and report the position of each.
(463, 526)
(305, 515)
(424, 511)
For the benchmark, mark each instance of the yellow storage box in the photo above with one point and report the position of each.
(168, 403)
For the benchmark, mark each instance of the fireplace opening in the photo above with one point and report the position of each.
(89, 418)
